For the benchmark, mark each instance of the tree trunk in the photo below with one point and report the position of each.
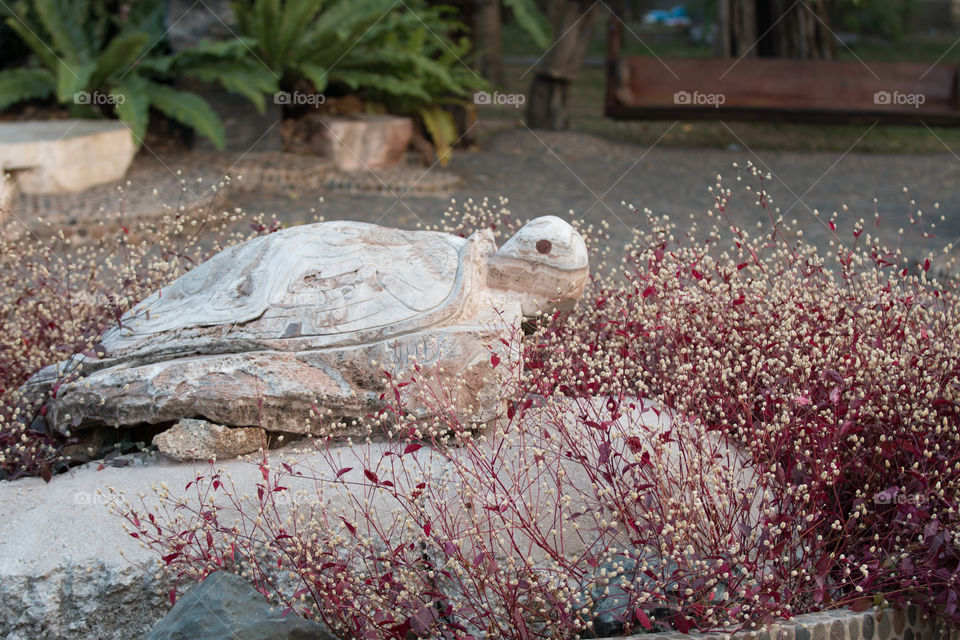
(572, 22)
(486, 40)
(776, 29)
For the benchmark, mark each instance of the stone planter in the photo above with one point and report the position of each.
(58, 156)
(365, 141)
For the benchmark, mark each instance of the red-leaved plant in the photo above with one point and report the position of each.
(59, 292)
(727, 430)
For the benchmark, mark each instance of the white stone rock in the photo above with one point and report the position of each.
(69, 570)
(366, 141)
(269, 331)
(56, 156)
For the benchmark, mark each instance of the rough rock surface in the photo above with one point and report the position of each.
(56, 156)
(270, 331)
(69, 570)
(192, 439)
(103, 600)
(366, 141)
(226, 606)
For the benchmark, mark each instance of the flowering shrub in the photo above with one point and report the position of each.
(728, 429)
(57, 296)
(837, 374)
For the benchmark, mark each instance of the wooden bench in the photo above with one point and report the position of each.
(778, 89)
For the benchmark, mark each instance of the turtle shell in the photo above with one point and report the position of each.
(321, 285)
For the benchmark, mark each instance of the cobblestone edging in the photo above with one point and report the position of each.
(840, 624)
(151, 190)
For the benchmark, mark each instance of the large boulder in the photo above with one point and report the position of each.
(69, 570)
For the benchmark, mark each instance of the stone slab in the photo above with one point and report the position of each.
(58, 156)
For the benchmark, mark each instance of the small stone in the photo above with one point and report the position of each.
(820, 631)
(899, 621)
(801, 632)
(785, 632)
(868, 627)
(193, 439)
(838, 630)
(884, 624)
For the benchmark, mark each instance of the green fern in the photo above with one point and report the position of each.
(394, 54)
(531, 20)
(133, 105)
(442, 129)
(79, 46)
(17, 85)
(187, 108)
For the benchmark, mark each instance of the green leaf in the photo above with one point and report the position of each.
(133, 105)
(66, 32)
(252, 82)
(40, 49)
(268, 14)
(442, 129)
(531, 20)
(316, 74)
(370, 80)
(72, 79)
(189, 109)
(17, 85)
(296, 19)
(120, 54)
(146, 17)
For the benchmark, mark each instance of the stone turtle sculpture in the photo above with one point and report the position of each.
(273, 330)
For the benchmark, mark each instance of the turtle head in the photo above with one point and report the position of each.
(545, 261)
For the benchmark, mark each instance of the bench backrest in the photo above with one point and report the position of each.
(781, 89)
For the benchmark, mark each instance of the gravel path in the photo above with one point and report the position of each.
(581, 176)
(577, 175)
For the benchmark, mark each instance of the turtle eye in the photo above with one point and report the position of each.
(544, 246)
